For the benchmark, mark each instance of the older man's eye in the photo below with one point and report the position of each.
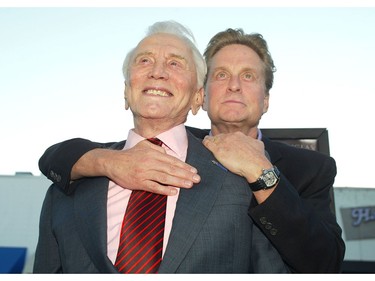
(177, 64)
(173, 63)
(144, 60)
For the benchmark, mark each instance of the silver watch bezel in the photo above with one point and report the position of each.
(268, 179)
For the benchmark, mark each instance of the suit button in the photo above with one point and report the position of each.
(268, 225)
(263, 220)
(54, 176)
(273, 231)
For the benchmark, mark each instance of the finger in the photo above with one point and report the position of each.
(172, 165)
(147, 144)
(158, 188)
(209, 142)
(209, 138)
(176, 177)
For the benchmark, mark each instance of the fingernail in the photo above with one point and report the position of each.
(173, 192)
(188, 184)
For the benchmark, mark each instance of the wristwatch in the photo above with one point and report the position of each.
(268, 179)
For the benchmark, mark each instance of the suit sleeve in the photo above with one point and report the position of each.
(300, 224)
(58, 160)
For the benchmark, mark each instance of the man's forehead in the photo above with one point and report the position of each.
(225, 59)
(177, 55)
(164, 41)
(239, 66)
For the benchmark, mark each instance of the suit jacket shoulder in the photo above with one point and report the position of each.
(302, 167)
(279, 150)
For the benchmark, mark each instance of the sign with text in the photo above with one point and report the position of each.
(302, 143)
(359, 222)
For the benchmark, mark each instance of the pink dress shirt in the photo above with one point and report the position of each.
(175, 144)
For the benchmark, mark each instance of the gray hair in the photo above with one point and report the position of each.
(177, 29)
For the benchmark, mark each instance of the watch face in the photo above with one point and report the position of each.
(269, 178)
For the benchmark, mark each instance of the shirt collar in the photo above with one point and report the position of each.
(175, 139)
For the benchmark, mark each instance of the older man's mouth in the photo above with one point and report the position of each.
(159, 93)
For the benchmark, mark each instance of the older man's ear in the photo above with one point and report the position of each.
(197, 101)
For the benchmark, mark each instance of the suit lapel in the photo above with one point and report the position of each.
(90, 206)
(193, 205)
(271, 149)
(90, 210)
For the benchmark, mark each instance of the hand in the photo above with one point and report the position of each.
(241, 154)
(144, 167)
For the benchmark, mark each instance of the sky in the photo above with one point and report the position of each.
(60, 74)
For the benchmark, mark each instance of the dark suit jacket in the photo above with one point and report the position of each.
(296, 218)
(211, 233)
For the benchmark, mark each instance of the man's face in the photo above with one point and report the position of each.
(236, 93)
(163, 80)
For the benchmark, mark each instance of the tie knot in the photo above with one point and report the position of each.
(155, 141)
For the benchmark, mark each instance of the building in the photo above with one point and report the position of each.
(355, 212)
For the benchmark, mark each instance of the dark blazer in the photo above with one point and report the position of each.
(211, 233)
(296, 218)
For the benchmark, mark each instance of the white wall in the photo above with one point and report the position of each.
(21, 199)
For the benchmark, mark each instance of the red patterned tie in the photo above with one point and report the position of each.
(142, 232)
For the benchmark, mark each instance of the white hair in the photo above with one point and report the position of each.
(177, 29)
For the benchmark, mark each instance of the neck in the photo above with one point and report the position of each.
(149, 128)
(232, 128)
